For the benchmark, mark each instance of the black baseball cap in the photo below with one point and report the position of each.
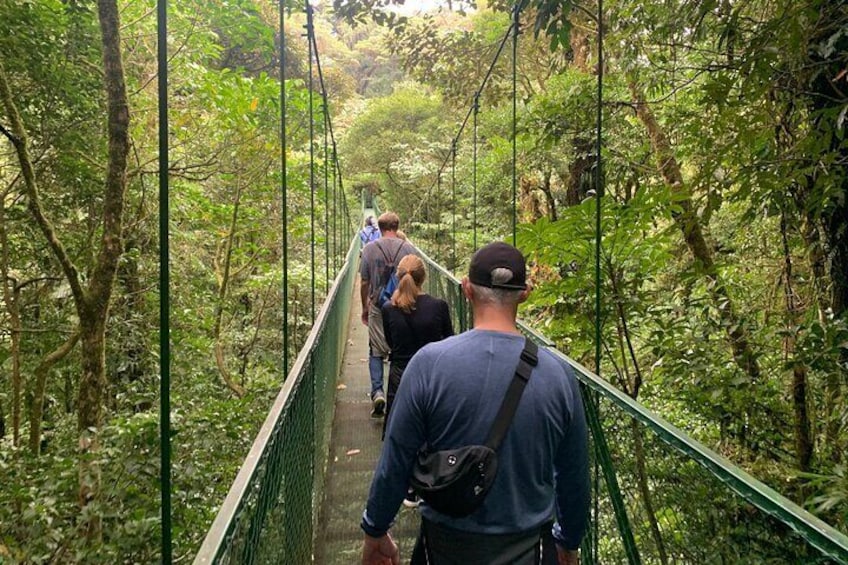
(496, 255)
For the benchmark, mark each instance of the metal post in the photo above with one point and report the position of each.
(326, 198)
(476, 110)
(284, 189)
(439, 213)
(453, 197)
(335, 212)
(516, 23)
(164, 284)
(599, 191)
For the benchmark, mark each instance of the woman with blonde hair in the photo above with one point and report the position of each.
(411, 320)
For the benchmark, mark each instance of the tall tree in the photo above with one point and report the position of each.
(91, 298)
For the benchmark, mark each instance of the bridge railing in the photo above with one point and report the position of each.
(661, 497)
(658, 495)
(270, 511)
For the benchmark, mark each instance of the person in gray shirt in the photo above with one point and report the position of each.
(389, 249)
(448, 398)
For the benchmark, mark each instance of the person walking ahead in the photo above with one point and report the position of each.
(448, 398)
(369, 231)
(411, 320)
(377, 259)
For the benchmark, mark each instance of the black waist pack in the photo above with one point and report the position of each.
(456, 481)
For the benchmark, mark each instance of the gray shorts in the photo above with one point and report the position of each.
(376, 339)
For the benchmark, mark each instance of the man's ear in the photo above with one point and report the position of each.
(525, 294)
(467, 289)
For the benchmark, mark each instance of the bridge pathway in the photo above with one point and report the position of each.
(354, 450)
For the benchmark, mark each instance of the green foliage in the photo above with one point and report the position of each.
(741, 104)
(743, 93)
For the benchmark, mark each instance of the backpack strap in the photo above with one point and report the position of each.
(394, 261)
(529, 359)
(385, 255)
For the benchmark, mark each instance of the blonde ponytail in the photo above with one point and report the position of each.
(411, 274)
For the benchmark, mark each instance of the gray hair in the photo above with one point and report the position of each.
(498, 296)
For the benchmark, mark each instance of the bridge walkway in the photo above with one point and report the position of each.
(354, 450)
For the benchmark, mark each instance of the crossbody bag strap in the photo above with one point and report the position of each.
(529, 359)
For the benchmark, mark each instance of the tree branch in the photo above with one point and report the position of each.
(15, 141)
(31, 189)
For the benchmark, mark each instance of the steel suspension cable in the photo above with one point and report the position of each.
(164, 284)
(476, 109)
(451, 156)
(453, 199)
(326, 199)
(314, 48)
(439, 192)
(309, 33)
(472, 111)
(335, 214)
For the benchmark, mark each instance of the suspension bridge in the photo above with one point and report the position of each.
(658, 496)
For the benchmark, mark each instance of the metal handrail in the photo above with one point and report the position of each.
(225, 520)
(819, 534)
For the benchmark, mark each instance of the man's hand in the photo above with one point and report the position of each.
(380, 551)
(567, 556)
(364, 293)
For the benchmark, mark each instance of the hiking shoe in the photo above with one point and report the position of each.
(411, 499)
(378, 404)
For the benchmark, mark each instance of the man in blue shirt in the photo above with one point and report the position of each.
(448, 398)
(369, 232)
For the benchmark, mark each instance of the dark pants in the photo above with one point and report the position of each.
(395, 374)
(440, 545)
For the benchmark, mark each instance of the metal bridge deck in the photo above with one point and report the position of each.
(354, 450)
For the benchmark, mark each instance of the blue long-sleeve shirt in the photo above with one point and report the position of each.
(449, 396)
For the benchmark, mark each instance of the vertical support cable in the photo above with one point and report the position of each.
(309, 32)
(284, 189)
(453, 198)
(335, 212)
(515, 30)
(326, 197)
(476, 110)
(599, 191)
(439, 212)
(164, 284)
(343, 200)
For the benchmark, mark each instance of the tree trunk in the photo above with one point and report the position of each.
(582, 148)
(632, 387)
(547, 189)
(130, 302)
(92, 303)
(826, 97)
(90, 415)
(687, 221)
(41, 372)
(645, 490)
(803, 427)
(11, 297)
(833, 382)
(222, 275)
